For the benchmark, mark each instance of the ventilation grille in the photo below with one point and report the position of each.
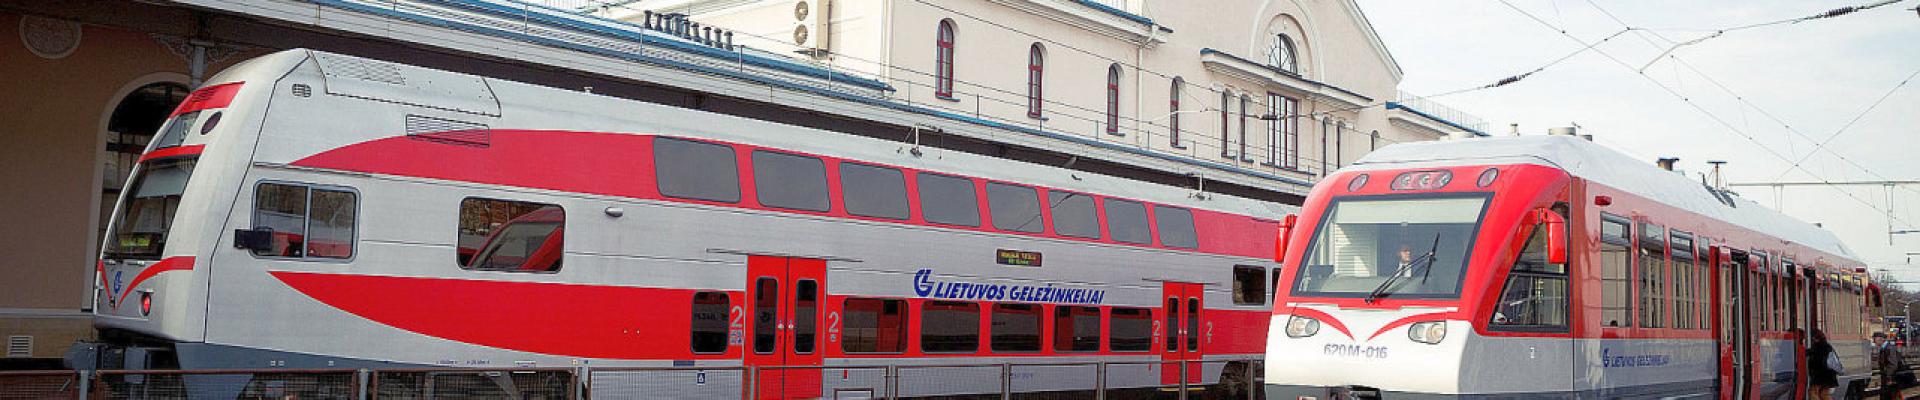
(19, 346)
(364, 69)
(302, 90)
(447, 131)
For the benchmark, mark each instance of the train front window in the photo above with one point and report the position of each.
(1391, 247)
(140, 229)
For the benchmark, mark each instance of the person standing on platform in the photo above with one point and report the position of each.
(1822, 364)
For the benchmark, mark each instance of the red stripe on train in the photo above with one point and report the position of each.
(176, 263)
(216, 96)
(176, 151)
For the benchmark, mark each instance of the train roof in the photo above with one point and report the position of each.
(1593, 162)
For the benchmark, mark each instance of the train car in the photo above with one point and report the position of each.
(315, 210)
(1551, 267)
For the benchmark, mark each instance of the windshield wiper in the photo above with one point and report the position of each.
(1423, 261)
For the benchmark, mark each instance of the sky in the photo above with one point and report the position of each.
(1765, 96)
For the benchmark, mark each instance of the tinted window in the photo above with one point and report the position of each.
(710, 322)
(1015, 208)
(1132, 329)
(806, 301)
(505, 235)
(1127, 222)
(696, 170)
(1249, 285)
(1074, 215)
(1176, 227)
(948, 200)
(790, 181)
(872, 191)
(281, 209)
(330, 224)
(1076, 328)
(1016, 327)
(875, 326)
(949, 327)
(766, 310)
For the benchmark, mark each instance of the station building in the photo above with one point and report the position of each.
(1255, 98)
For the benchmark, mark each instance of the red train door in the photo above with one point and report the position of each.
(1732, 324)
(783, 302)
(1185, 332)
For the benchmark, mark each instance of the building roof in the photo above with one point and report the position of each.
(1590, 161)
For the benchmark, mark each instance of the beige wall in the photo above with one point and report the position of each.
(56, 112)
(1334, 45)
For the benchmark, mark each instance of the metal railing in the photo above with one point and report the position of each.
(1214, 379)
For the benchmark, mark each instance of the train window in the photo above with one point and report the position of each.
(710, 311)
(949, 327)
(1173, 323)
(505, 235)
(873, 191)
(304, 221)
(282, 210)
(1074, 214)
(1014, 208)
(1366, 246)
(1653, 276)
(1015, 328)
(1686, 282)
(766, 314)
(874, 326)
(806, 303)
(1127, 222)
(1193, 324)
(790, 181)
(1076, 328)
(1249, 285)
(948, 200)
(1132, 329)
(1616, 276)
(1535, 297)
(696, 170)
(1176, 227)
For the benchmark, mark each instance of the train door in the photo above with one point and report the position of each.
(1184, 331)
(784, 296)
(1733, 324)
(1797, 312)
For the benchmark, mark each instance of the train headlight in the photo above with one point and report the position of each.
(1299, 327)
(1431, 332)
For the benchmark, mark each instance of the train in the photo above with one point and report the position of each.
(313, 210)
(1553, 267)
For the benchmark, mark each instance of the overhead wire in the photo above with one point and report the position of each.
(1710, 115)
(1820, 145)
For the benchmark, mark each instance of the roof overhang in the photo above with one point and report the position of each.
(1095, 18)
(1222, 63)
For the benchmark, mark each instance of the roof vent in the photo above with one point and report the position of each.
(1666, 163)
(448, 131)
(19, 346)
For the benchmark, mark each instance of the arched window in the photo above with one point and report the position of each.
(1173, 112)
(1280, 54)
(1113, 99)
(943, 60)
(1036, 73)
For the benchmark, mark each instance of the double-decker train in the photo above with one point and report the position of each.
(1552, 267)
(315, 210)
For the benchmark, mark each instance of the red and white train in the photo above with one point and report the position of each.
(314, 210)
(1552, 267)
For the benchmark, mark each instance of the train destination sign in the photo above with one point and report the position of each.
(1017, 258)
(925, 286)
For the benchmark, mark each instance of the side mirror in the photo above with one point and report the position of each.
(253, 239)
(1556, 227)
(1280, 242)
